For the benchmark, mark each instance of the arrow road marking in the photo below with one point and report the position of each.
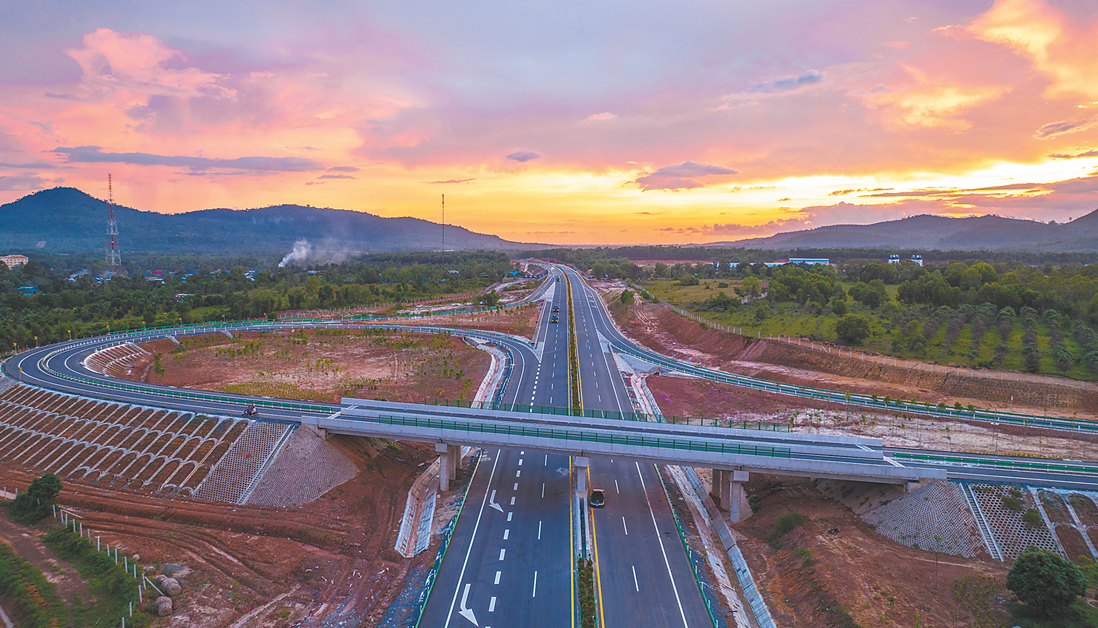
(492, 502)
(467, 613)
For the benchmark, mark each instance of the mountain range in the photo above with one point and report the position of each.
(67, 220)
(976, 233)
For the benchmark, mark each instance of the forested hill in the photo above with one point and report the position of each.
(977, 233)
(66, 220)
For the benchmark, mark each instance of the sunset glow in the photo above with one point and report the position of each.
(562, 123)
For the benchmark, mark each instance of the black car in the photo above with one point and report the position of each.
(554, 320)
(555, 309)
(597, 499)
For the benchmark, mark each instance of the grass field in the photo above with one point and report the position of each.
(792, 319)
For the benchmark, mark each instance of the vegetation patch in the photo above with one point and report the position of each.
(113, 587)
(30, 596)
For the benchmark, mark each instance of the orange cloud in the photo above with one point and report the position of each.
(932, 102)
(1057, 48)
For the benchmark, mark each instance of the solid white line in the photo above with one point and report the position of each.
(535, 594)
(622, 525)
(539, 530)
(492, 605)
(469, 551)
(652, 512)
(498, 574)
(502, 552)
(506, 533)
(635, 585)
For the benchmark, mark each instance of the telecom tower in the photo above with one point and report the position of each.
(444, 228)
(114, 256)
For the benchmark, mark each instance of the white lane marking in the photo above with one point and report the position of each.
(516, 487)
(518, 473)
(465, 612)
(600, 397)
(539, 530)
(546, 460)
(535, 594)
(502, 552)
(498, 574)
(635, 585)
(663, 550)
(492, 605)
(513, 499)
(509, 516)
(543, 490)
(622, 525)
(506, 533)
(520, 462)
(616, 489)
(522, 453)
(469, 551)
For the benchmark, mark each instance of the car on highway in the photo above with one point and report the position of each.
(597, 498)
(554, 320)
(555, 309)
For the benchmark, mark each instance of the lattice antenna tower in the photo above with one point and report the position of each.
(114, 256)
(444, 229)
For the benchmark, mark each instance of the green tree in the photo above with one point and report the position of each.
(1045, 582)
(37, 502)
(853, 328)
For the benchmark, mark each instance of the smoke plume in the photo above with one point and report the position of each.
(300, 252)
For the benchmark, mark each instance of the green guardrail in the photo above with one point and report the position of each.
(762, 426)
(898, 405)
(1019, 464)
(180, 394)
(588, 437)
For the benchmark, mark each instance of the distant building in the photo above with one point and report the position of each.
(918, 259)
(810, 261)
(27, 289)
(14, 260)
(893, 259)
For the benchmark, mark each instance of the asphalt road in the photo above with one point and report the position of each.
(510, 555)
(636, 540)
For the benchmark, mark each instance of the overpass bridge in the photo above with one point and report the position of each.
(732, 453)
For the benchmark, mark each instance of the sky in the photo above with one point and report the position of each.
(561, 122)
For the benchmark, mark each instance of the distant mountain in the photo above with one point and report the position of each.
(66, 220)
(986, 233)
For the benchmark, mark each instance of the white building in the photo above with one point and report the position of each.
(14, 260)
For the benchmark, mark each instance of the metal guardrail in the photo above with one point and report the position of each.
(762, 426)
(866, 401)
(588, 436)
(1013, 464)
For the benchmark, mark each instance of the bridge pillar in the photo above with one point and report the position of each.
(738, 509)
(581, 463)
(446, 464)
(720, 488)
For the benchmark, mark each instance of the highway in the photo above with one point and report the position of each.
(639, 557)
(510, 554)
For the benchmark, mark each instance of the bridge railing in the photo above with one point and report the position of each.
(585, 436)
(1012, 464)
(762, 426)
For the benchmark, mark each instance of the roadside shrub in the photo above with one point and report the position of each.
(1032, 518)
(786, 524)
(37, 502)
(853, 328)
(1011, 502)
(1045, 582)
